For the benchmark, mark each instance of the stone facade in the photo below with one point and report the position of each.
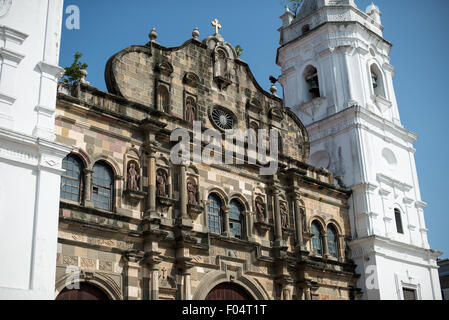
(155, 240)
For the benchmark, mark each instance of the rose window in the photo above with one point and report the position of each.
(222, 119)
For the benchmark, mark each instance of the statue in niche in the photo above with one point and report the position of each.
(192, 191)
(133, 177)
(284, 216)
(260, 211)
(221, 64)
(190, 110)
(161, 184)
(303, 219)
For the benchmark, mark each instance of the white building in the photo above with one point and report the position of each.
(30, 160)
(337, 76)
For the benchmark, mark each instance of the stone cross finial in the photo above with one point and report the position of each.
(216, 25)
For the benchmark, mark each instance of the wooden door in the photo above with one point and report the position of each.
(228, 291)
(85, 292)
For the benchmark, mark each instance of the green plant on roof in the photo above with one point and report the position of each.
(73, 73)
(239, 50)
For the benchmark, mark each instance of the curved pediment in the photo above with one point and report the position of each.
(203, 81)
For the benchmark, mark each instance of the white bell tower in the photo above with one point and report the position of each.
(337, 77)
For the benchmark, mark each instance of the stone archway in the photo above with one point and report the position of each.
(228, 291)
(213, 279)
(86, 291)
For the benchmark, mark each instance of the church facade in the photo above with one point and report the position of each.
(134, 225)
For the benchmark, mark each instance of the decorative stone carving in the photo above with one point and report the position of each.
(192, 190)
(303, 219)
(194, 209)
(133, 177)
(190, 110)
(221, 68)
(260, 223)
(164, 68)
(161, 183)
(284, 215)
(191, 79)
(260, 210)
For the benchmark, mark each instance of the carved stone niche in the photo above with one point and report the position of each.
(133, 177)
(222, 68)
(287, 228)
(255, 106)
(261, 215)
(163, 97)
(164, 68)
(194, 209)
(276, 114)
(191, 79)
(163, 192)
(190, 108)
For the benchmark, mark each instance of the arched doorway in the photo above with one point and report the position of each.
(85, 292)
(228, 291)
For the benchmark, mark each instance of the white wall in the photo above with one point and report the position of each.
(30, 161)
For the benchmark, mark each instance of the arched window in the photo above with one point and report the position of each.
(215, 214)
(102, 186)
(317, 238)
(236, 219)
(163, 99)
(377, 81)
(332, 241)
(72, 178)
(398, 218)
(311, 78)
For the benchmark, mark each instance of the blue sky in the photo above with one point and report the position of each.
(418, 30)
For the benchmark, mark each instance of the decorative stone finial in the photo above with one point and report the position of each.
(83, 78)
(153, 35)
(216, 25)
(273, 89)
(196, 33)
(287, 9)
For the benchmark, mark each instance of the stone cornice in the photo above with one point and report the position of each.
(354, 115)
(394, 183)
(346, 41)
(375, 244)
(32, 151)
(55, 72)
(8, 34)
(11, 56)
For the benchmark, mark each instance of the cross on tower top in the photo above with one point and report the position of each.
(216, 25)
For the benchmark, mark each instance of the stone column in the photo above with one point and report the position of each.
(277, 217)
(187, 287)
(325, 246)
(299, 226)
(286, 293)
(341, 248)
(154, 285)
(132, 267)
(88, 188)
(152, 184)
(249, 222)
(307, 293)
(183, 192)
(226, 231)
